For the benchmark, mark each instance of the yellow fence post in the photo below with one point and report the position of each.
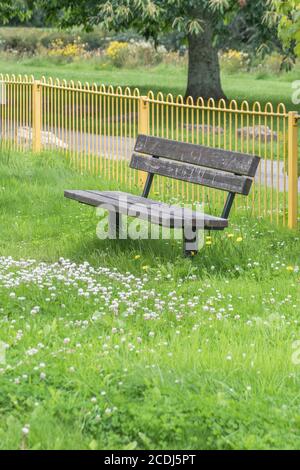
(36, 116)
(292, 169)
(143, 128)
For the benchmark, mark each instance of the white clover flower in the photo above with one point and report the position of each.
(26, 429)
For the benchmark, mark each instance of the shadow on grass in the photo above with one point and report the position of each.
(249, 247)
(153, 256)
(95, 249)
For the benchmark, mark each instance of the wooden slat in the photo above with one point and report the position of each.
(137, 206)
(208, 157)
(182, 213)
(159, 217)
(192, 174)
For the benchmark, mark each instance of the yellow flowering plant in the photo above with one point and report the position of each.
(117, 52)
(70, 50)
(233, 61)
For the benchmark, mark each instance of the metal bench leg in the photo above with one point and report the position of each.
(190, 242)
(115, 224)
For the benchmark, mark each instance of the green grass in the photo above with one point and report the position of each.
(155, 351)
(165, 78)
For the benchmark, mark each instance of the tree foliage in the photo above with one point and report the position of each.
(148, 17)
(13, 9)
(248, 32)
(236, 23)
(287, 14)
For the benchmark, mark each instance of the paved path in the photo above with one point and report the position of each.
(122, 147)
(270, 173)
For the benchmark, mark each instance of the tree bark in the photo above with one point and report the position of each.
(203, 67)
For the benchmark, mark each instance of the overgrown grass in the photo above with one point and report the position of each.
(125, 344)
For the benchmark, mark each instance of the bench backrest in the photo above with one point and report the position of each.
(216, 168)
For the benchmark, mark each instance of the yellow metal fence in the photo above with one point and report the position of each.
(96, 126)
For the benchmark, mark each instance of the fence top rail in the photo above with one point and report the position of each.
(268, 109)
(169, 100)
(16, 79)
(96, 90)
(93, 88)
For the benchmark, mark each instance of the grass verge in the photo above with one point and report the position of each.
(125, 344)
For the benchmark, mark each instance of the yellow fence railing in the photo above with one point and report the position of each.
(96, 126)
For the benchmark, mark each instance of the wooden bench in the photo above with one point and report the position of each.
(226, 170)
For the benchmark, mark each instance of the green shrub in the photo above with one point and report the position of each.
(70, 50)
(134, 53)
(94, 40)
(57, 36)
(175, 58)
(234, 61)
(34, 40)
(117, 53)
(21, 44)
(273, 63)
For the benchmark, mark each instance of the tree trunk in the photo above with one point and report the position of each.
(203, 71)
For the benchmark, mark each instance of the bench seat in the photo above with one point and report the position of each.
(161, 213)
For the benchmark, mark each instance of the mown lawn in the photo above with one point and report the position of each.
(123, 344)
(165, 78)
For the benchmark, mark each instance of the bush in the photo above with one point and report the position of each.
(70, 50)
(94, 40)
(234, 61)
(175, 58)
(51, 38)
(273, 63)
(34, 40)
(134, 54)
(145, 53)
(22, 44)
(117, 52)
